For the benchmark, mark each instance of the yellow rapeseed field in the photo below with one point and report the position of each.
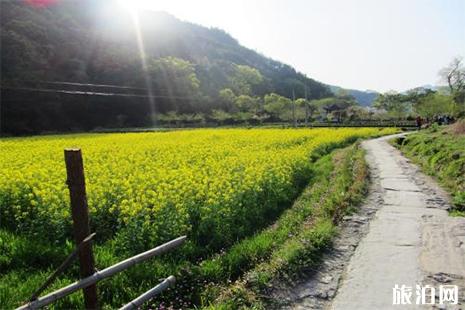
(216, 185)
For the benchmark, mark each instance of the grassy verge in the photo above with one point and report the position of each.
(295, 242)
(440, 152)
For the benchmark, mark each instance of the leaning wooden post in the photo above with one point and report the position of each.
(80, 215)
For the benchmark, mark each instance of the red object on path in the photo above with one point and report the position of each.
(41, 3)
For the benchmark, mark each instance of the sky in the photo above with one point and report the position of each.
(378, 45)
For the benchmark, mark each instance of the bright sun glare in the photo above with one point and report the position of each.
(129, 5)
(156, 5)
(171, 6)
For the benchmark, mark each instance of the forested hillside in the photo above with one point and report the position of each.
(364, 98)
(186, 65)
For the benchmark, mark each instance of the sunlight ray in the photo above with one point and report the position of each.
(143, 58)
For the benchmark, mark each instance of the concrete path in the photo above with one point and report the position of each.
(402, 234)
(411, 240)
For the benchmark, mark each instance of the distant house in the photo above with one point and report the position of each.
(337, 110)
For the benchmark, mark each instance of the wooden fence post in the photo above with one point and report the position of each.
(80, 215)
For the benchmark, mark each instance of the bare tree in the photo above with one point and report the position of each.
(454, 75)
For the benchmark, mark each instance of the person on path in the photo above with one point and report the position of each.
(419, 122)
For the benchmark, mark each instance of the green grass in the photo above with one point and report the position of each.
(296, 241)
(456, 212)
(440, 153)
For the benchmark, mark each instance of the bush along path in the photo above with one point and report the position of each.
(410, 240)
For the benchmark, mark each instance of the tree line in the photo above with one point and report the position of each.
(444, 101)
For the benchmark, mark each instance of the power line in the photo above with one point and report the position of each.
(87, 93)
(21, 83)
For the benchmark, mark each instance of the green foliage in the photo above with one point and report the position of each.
(175, 119)
(175, 75)
(17, 251)
(220, 116)
(243, 117)
(394, 103)
(424, 102)
(246, 103)
(301, 102)
(227, 98)
(277, 106)
(244, 78)
(441, 154)
(358, 113)
(435, 104)
(304, 109)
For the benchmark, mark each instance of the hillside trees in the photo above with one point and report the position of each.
(227, 99)
(220, 116)
(303, 109)
(174, 76)
(397, 105)
(91, 42)
(436, 104)
(246, 103)
(278, 107)
(191, 69)
(244, 79)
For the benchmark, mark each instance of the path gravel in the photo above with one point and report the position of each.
(401, 235)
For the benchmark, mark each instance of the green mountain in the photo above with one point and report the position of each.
(96, 42)
(364, 98)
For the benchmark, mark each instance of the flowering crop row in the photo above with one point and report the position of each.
(215, 185)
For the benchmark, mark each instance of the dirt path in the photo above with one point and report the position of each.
(401, 235)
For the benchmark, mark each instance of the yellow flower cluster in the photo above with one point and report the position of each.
(202, 182)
